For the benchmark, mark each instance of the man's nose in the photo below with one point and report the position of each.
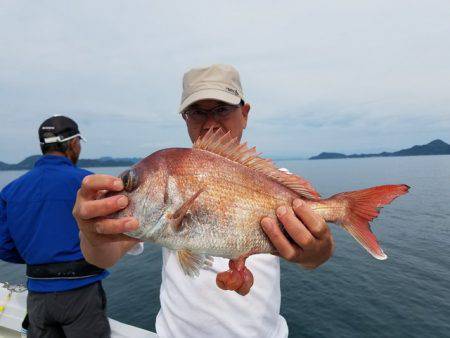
(211, 122)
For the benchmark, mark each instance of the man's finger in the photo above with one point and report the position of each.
(105, 238)
(310, 219)
(278, 239)
(110, 226)
(100, 208)
(100, 194)
(93, 183)
(295, 228)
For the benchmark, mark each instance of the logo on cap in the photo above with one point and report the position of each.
(233, 91)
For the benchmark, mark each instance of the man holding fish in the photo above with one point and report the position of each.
(212, 98)
(177, 216)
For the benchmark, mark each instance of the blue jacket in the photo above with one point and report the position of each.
(36, 222)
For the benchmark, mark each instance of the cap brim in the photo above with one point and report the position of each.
(72, 137)
(209, 94)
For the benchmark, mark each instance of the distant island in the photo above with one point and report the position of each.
(28, 163)
(436, 147)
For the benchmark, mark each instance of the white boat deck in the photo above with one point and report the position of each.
(13, 300)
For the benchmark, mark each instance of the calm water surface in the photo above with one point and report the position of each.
(352, 295)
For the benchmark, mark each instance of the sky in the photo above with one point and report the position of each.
(346, 76)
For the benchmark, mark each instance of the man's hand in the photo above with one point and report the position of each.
(313, 241)
(102, 241)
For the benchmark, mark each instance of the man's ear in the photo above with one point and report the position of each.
(71, 143)
(245, 110)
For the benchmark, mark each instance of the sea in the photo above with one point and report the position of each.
(353, 294)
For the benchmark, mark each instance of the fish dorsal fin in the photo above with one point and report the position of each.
(224, 145)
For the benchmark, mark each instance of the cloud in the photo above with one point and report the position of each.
(319, 75)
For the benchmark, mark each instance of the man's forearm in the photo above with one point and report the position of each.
(104, 255)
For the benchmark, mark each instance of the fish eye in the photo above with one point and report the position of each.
(129, 179)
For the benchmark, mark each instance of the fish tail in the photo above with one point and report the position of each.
(358, 208)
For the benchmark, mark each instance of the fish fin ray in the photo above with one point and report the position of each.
(224, 145)
(191, 263)
(177, 217)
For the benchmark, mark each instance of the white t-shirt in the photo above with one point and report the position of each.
(196, 307)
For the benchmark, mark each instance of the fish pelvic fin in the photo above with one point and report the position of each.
(191, 263)
(362, 206)
(176, 219)
(224, 145)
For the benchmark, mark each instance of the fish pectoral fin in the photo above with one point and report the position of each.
(177, 217)
(191, 262)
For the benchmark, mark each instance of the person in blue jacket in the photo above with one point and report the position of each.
(65, 298)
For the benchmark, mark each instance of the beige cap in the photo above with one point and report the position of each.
(217, 82)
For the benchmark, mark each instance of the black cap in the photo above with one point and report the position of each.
(58, 129)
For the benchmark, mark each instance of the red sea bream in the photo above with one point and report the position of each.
(209, 201)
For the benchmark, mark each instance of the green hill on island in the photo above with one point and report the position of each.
(436, 147)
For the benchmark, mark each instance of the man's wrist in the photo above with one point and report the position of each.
(89, 240)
